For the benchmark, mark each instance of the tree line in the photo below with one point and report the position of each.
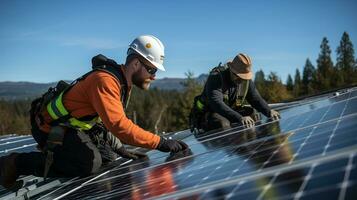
(14, 117)
(313, 80)
(162, 110)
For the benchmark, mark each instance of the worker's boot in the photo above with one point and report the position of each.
(8, 174)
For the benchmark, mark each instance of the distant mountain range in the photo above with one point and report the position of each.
(24, 90)
(175, 83)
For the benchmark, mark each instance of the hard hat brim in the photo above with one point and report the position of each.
(160, 67)
(157, 65)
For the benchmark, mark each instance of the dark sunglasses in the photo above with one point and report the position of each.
(150, 70)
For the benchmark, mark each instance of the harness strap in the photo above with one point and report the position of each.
(242, 91)
(61, 115)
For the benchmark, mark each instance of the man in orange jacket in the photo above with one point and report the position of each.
(63, 118)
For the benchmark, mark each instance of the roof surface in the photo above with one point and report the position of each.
(310, 153)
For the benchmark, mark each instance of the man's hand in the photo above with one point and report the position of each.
(130, 154)
(275, 115)
(170, 145)
(247, 122)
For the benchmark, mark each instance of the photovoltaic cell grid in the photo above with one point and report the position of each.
(10, 144)
(310, 152)
(214, 161)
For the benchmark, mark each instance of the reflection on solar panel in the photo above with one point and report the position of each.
(310, 153)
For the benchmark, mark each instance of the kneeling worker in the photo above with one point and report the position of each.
(222, 101)
(63, 120)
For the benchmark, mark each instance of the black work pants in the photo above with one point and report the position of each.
(77, 156)
(216, 121)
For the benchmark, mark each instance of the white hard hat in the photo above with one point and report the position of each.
(150, 48)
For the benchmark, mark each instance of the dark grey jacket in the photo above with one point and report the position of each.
(218, 85)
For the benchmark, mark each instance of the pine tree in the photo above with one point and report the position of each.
(185, 102)
(259, 82)
(297, 84)
(308, 78)
(345, 61)
(289, 83)
(324, 67)
(276, 91)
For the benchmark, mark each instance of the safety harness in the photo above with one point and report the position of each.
(61, 116)
(52, 101)
(200, 107)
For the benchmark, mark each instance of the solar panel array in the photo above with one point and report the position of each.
(310, 153)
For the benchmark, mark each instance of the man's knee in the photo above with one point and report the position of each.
(217, 121)
(249, 111)
(85, 154)
(93, 166)
(93, 162)
(245, 111)
(88, 165)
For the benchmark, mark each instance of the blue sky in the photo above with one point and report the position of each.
(45, 41)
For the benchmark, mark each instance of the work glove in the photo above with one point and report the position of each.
(170, 145)
(174, 156)
(130, 154)
(275, 115)
(247, 122)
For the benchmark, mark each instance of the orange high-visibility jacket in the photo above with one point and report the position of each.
(99, 93)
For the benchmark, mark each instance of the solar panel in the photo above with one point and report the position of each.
(310, 153)
(9, 144)
(314, 180)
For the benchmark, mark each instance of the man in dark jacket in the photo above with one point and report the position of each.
(222, 101)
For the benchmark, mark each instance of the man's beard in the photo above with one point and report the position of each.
(145, 84)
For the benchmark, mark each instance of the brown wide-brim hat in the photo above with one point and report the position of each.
(241, 66)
